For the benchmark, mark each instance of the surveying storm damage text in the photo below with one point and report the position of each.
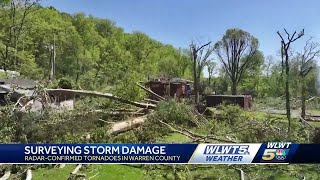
(272, 152)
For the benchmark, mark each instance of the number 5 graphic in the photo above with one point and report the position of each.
(268, 154)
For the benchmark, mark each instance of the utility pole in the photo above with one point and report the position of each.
(52, 58)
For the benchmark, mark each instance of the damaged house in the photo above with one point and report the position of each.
(23, 92)
(174, 87)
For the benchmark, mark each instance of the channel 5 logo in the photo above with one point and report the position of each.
(276, 151)
(275, 154)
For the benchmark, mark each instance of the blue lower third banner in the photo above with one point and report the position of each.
(272, 152)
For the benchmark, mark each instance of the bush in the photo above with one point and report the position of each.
(65, 83)
(176, 113)
(170, 112)
(230, 113)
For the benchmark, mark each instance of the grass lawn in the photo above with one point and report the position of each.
(176, 138)
(115, 172)
(52, 173)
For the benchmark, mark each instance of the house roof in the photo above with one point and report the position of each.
(172, 80)
(220, 95)
(17, 86)
(179, 80)
(21, 83)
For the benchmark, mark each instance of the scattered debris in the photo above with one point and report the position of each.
(174, 87)
(24, 93)
(75, 171)
(243, 101)
(75, 175)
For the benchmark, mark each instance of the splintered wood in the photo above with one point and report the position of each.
(127, 125)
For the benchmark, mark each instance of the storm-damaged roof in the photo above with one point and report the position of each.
(21, 83)
(171, 80)
(20, 86)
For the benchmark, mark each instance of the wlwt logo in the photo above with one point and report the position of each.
(276, 152)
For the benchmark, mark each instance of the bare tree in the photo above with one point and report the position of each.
(285, 48)
(200, 56)
(234, 45)
(211, 68)
(306, 58)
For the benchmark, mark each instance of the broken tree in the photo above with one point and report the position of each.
(200, 56)
(285, 47)
(306, 58)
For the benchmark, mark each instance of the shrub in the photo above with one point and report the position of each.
(230, 113)
(65, 83)
(176, 113)
(170, 112)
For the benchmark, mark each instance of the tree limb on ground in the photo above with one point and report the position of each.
(151, 101)
(123, 126)
(94, 175)
(118, 112)
(6, 175)
(310, 99)
(29, 174)
(104, 95)
(241, 173)
(75, 171)
(194, 136)
(151, 92)
(306, 122)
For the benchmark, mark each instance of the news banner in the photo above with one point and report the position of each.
(267, 153)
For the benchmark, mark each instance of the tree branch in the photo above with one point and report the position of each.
(203, 46)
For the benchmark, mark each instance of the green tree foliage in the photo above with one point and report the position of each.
(252, 76)
(93, 53)
(236, 50)
(211, 67)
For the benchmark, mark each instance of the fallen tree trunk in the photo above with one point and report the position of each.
(6, 175)
(151, 92)
(75, 174)
(75, 171)
(310, 99)
(116, 113)
(306, 122)
(104, 95)
(126, 125)
(29, 174)
(150, 100)
(241, 174)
